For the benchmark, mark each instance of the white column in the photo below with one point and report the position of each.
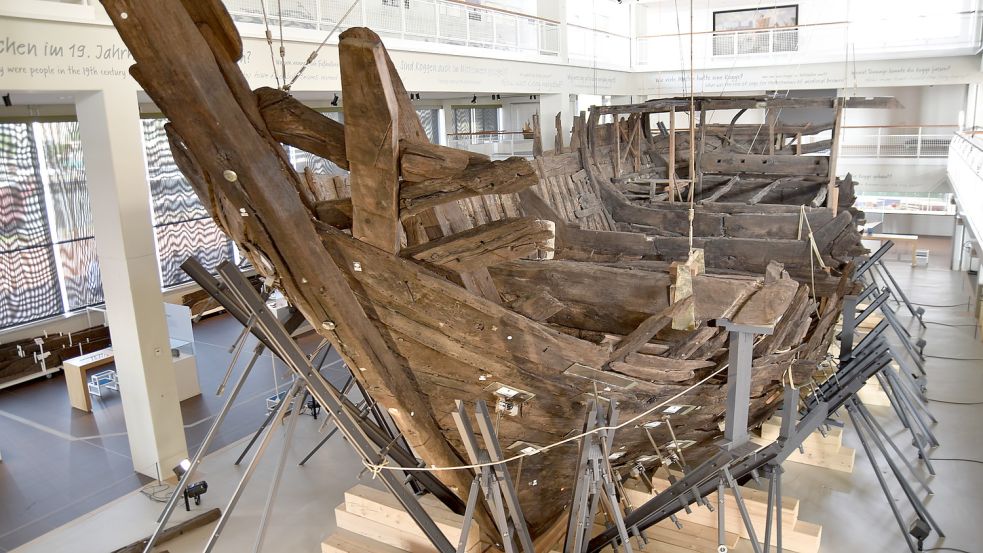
(109, 122)
(549, 106)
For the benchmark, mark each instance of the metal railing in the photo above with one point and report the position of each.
(496, 144)
(895, 34)
(442, 21)
(899, 142)
(756, 42)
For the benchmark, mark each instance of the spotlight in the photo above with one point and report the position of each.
(194, 491)
(6, 100)
(920, 530)
(474, 99)
(182, 468)
(335, 101)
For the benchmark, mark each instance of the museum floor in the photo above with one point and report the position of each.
(850, 507)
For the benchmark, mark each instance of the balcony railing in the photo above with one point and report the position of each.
(896, 35)
(897, 142)
(442, 21)
(756, 42)
(496, 144)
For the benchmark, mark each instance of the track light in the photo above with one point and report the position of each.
(6, 100)
(334, 102)
(474, 99)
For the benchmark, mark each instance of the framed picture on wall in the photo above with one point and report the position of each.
(756, 18)
(756, 30)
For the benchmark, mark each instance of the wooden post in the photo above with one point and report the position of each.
(617, 145)
(371, 142)
(537, 136)
(699, 158)
(558, 140)
(833, 197)
(692, 141)
(772, 117)
(671, 169)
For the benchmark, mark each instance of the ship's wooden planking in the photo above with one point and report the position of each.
(440, 291)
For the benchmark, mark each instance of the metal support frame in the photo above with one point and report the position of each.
(595, 484)
(382, 436)
(493, 479)
(740, 358)
(244, 303)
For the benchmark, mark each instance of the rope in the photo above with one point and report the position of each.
(313, 56)
(372, 467)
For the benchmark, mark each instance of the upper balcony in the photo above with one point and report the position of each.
(893, 35)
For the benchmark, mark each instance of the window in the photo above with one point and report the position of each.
(28, 276)
(71, 217)
(473, 120)
(430, 119)
(182, 225)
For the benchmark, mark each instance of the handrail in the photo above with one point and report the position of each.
(738, 31)
(801, 25)
(502, 10)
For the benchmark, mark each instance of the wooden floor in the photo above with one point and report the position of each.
(59, 463)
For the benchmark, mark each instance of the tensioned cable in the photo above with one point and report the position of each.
(269, 41)
(375, 468)
(313, 56)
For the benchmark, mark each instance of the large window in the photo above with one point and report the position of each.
(430, 119)
(182, 226)
(28, 276)
(477, 119)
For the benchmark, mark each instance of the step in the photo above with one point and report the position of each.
(346, 541)
(382, 508)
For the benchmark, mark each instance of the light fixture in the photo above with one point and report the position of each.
(334, 102)
(194, 491)
(474, 99)
(182, 468)
(6, 100)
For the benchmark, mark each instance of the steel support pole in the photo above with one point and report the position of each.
(250, 469)
(288, 435)
(886, 437)
(745, 516)
(165, 515)
(330, 399)
(880, 479)
(917, 313)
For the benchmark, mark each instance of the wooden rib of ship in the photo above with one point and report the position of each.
(440, 275)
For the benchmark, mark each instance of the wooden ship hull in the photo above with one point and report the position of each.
(444, 276)
(752, 186)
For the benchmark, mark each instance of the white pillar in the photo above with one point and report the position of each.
(109, 123)
(549, 106)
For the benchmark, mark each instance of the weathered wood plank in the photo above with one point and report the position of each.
(495, 177)
(756, 164)
(648, 329)
(485, 245)
(293, 123)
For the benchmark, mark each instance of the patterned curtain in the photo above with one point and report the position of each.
(72, 218)
(28, 277)
(182, 225)
(430, 119)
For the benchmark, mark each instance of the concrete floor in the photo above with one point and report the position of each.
(60, 463)
(850, 507)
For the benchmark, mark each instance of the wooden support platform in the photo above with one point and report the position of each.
(818, 450)
(372, 521)
(699, 531)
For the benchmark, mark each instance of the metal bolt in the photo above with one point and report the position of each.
(328, 325)
(230, 175)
